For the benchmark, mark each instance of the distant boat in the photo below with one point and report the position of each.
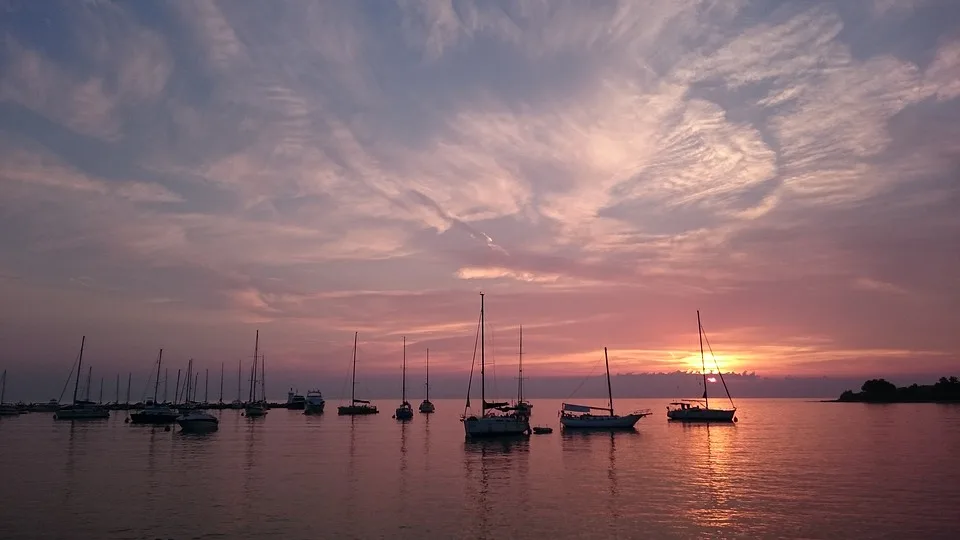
(405, 410)
(314, 403)
(690, 410)
(494, 418)
(255, 408)
(6, 409)
(295, 401)
(81, 409)
(197, 421)
(426, 406)
(155, 413)
(521, 407)
(581, 417)
(357, 406)
(237, 404)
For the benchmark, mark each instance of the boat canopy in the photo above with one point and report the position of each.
(494, 404)
(361, 401)
(582, 408)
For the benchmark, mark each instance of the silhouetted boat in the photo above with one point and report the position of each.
(690, 410)
(426, 406)
(357, 406)
(580, 416)
(81, 409)
(314, 402)
(494, 418)
(198, 422)
(405, 410)
(295, 401)
(6, 409)
(255, 408)
(155, 413)
(542, 430)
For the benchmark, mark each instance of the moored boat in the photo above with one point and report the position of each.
(426, 406)
(296, 401)
(198, 422)
(314, 402)
(255, 408)
(81, 409)
(356, 406)
(696, 410)
(155, 413)
(494, 418)
(574, 416)
(405, 410)
(6, 409)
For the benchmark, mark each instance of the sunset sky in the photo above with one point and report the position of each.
(178, 174)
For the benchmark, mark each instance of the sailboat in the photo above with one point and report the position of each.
(690, 410)
(6, 409)
(494, 418)
(580, 416)
(405, 410)
(357, 406)
(426, 406)
(521, 407)
(81, 409)
(155, 412)
(237, 404)
(255, 408)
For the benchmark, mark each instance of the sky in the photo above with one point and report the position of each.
(179, 175)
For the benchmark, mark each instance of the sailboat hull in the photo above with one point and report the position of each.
(82, 413)
(427, 407)
(354, 410)
(495, 426)
(627, 421)
(698, 414)
(403, 413)
(156, 416)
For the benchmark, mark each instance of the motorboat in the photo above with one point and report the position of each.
(295, 401)
(198, 421)
(314, 402)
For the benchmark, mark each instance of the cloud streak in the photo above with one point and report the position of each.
(601, 169)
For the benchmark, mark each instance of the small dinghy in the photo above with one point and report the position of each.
(542, 430)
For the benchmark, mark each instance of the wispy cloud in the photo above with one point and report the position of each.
(602, 169)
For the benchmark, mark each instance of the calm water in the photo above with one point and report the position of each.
(788, 469)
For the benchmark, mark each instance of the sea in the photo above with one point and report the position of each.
(787, 469)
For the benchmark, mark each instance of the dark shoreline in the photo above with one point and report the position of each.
(946, 390)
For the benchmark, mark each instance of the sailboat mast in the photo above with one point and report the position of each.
(130, 378)
(263, 378)
(428, 374)
(206, 387)
(118, 388)
(221, 382)
(196, 379)
(76, 383)
(703, 363)
(606, 361)
(253, 370)
(156, 383)
(353, 382)
(176, 389)
(483, 389)
(403, 377)
(520, 383)
(89, 376)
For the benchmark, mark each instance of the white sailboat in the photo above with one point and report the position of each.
(255, 408)
(81, 409)
(356, 406)
(493, 420)
(695, 410)
(426, 406)
(581, 416)
(6, 409)
(405, 410)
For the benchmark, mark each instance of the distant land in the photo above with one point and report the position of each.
(946, 390)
